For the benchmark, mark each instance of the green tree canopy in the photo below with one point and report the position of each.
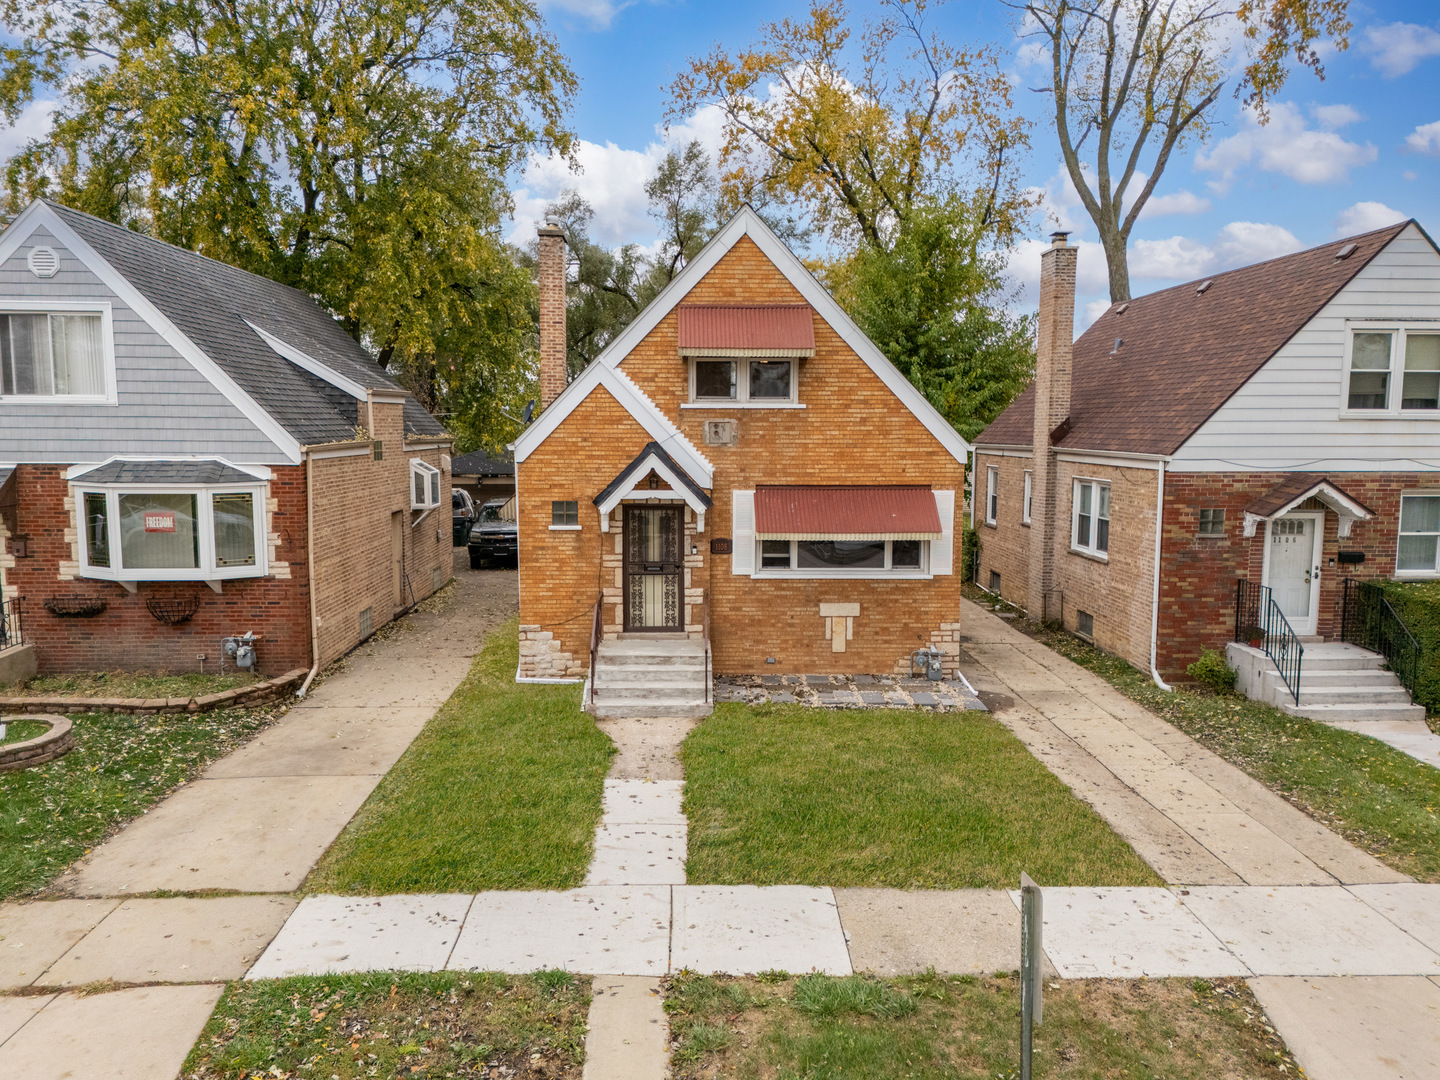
(355, 151)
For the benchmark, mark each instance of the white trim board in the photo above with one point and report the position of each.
(679, 491)
(38, 213)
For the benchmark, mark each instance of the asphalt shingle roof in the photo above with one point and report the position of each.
(167, 472)
(210, 302)
(1186, 352)
(479, 463)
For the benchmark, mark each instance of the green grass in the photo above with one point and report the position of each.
(500, 791)
(20, 730)
(821, 1027)
(120, 766)
(127, 684)
(783, 794)
(1377, 797)
(396, 1024)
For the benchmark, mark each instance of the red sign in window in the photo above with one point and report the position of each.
(161, 521)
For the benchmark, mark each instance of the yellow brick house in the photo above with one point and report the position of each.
(741, 483)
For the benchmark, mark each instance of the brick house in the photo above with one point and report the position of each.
(741, 480)
(189, 451)
(1281, 422)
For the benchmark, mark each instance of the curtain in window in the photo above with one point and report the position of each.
(26, 360)
(234, 529)
(1419, 531)
(158, 532)
(78, 355)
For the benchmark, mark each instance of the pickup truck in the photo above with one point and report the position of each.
(492, 538)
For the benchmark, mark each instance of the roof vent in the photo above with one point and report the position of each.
(1121, 309)
(43, 261)
(1204, 286)
(1118, 342)
(1346, 251)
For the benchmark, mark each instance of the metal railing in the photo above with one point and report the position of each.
(1260, 622)
(594, 650)
(1368, 620)
(12, 626)
(705, 622)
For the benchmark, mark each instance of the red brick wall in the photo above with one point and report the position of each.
(126, 636)
(1197, 588)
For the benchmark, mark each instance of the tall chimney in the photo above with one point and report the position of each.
(1054, 361)
(552, 311)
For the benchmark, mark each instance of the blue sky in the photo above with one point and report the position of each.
(1351, 153)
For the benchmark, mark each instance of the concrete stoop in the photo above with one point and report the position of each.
(649, 677)
(1339, 683)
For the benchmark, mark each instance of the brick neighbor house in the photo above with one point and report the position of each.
(741, 481)
(1281, 423)
(189, 451)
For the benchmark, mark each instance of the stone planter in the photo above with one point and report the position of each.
(55, 743)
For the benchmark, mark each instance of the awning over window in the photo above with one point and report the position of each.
(746, 330)
(846, 513)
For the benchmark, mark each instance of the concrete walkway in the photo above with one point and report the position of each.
(254, 823)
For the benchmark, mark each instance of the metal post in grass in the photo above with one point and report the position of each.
(1031, 956)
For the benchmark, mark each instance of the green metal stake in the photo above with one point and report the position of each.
(1031, 956)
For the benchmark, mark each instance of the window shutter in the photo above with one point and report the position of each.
(742, 528)
(942, 551)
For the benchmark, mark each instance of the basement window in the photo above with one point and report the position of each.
(1085, 624)
(424, 485)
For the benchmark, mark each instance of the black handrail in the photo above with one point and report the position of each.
(1258, 616)
(1369, 620)
(594, 649)
(12, 626)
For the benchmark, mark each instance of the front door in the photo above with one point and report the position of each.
(1292, 567)
(654, 567)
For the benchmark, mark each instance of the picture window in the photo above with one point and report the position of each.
(158, 535)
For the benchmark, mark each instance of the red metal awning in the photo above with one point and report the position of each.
(746, 330)
(846, 513)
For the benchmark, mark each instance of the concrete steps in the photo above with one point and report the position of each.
(650, 676)
(1339, 683)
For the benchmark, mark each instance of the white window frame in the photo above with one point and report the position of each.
(992, 494)
(208, 570)
(1395, 383)
(1414, 575)
(1091, 549)
(432, 484)
(741, 400)
(9, 306)
(1029, 492)
(922, 573)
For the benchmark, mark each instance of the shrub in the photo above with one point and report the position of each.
(1211, 670)
(1418, 605)
(969, 554)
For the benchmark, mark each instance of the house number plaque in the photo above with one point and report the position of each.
(720, 545)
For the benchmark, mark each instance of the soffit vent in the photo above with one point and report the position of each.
(43, 262)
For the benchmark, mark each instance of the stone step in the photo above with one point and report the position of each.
(653, 645)
(1332, 713)
(629, 710)
(643, 675)
(1355, 677)
(1353, 695)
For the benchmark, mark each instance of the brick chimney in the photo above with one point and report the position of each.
(552, 312)
(1054, 362)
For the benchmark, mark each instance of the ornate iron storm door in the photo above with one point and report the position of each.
(654, 568)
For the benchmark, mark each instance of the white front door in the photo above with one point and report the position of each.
(1292, 567)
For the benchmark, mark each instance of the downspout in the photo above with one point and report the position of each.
(310, 573)
(1155, 598)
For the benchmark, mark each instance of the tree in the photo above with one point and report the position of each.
(355, 151)
(859, 143)
(937, 311)
(1143, 76)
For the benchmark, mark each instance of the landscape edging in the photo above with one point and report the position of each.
(56, 742)
(258, 694)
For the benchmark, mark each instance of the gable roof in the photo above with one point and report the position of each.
(745, 222)
(228, 315)
(644, 463)
(1186, 352)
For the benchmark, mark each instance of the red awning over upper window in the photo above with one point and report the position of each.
(846, 513)
(746, 330)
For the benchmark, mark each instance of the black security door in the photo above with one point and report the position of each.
(654, 568)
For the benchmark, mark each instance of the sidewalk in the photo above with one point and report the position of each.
(254, 823)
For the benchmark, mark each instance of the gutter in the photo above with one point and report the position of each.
(310, 574)
(1155, 597)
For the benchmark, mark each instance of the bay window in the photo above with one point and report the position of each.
(1382, 360)
(424, 485)
(1090, 518)
(55, 356)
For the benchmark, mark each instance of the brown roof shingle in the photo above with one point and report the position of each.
(1186, 353)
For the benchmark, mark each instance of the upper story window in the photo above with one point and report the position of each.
(1090, 518)
(992, 494)
(1393, 370)
(58, 356)
(424, 485)
(743, 381)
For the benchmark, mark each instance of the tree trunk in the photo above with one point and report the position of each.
(1115, 261)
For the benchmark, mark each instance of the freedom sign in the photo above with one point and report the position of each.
(160, 521)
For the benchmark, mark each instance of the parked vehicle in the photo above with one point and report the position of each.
(494, 538)
(462, 515)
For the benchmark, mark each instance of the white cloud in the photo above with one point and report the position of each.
(1366, 217)
(1425, 139)
(1023, 270)
(1335, 116)
(1180, 202)
(1285, 145)
(1396, 49)
(1410, 174)
(1182, 258)
(33, 123)
(598, 13)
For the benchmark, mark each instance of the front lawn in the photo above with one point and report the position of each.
(127, 684)
(932, 1027)
(120, 766)
(391, 1024)
(784, 794)
(500, 791)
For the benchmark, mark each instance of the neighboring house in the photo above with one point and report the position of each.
(743, 459)
(189, 451)
(1282, 421)
(484, 476)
